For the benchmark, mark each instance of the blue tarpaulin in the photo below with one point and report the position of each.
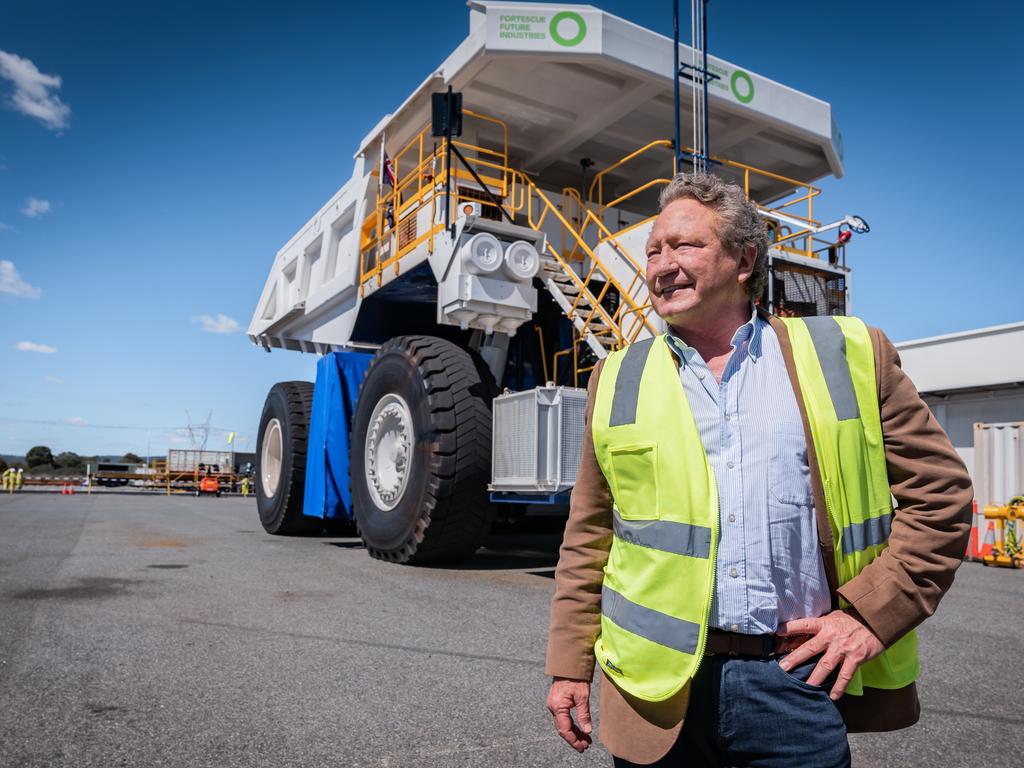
(338, 376)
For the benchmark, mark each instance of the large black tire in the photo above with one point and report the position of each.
(443, 512)
(280, 503)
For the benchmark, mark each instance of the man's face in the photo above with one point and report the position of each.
(689, 272)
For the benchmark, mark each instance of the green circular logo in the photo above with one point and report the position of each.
(581, 28)
(739, 76)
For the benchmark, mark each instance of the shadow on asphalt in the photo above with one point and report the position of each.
(349, 544)
(528, 545)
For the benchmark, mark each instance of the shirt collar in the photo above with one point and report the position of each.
(750, 332)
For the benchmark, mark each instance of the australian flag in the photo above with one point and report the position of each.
(387, 170)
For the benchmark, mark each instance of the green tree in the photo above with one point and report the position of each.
(3, 464)
(38, 455)
(131, 458)
(68, 460)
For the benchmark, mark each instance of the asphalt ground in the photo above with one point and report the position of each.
(147, 631)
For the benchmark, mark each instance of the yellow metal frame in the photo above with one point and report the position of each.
(805, 193)
(419, 171)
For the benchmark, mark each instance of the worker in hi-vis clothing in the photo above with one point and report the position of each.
(732, 561)
(19, 478)
(7, 478)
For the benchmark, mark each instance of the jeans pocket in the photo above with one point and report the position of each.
(799, 674)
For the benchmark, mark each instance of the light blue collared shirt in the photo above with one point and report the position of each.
(768, 567)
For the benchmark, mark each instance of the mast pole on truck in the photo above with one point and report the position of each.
(448, 164)
(446, 122)
(675, 68)
(700, 156)
(705, 139)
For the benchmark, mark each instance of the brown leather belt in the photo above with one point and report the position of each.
(723, 643)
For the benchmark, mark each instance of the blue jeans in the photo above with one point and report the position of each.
(748, 712)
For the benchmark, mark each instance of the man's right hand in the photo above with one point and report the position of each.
(566, 695)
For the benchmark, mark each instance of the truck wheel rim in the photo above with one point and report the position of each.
(270, 459)
(388, 452)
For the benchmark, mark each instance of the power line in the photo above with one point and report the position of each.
(85, 425)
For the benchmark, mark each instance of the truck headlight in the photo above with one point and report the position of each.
(521, 260)
(481, 254)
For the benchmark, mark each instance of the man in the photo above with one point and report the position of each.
(732, 560)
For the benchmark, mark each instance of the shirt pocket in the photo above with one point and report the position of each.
(789, 476)
(634, 480)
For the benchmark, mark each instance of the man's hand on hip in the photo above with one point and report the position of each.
(564, 696)
(844, 641)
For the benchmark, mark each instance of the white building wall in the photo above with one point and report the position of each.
(984, 357)
(959, 412)
(970, 377)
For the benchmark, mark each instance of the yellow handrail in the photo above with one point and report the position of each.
(596, 192)
(598, 180)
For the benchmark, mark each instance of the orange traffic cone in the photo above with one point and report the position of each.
(64, 490)
(990, 540)
(71, 489)
(973, 552)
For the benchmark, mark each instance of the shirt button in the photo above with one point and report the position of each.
(733, 572)
(728, 417)
(732, 518)
(731, 464)
(734, 627)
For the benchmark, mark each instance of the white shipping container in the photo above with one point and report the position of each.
(180, 460)
(998, 468)
(998, 462)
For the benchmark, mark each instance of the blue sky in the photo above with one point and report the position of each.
(186, 142)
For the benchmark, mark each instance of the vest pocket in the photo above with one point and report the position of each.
(634, 480)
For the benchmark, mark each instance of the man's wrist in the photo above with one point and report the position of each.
(854, 614)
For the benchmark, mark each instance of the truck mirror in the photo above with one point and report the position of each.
(446, 113)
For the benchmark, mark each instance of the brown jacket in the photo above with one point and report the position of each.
(895, 593)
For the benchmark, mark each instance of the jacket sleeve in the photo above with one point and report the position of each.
(576, 606)
(931, 523)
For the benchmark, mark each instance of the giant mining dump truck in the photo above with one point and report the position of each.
(487, 251)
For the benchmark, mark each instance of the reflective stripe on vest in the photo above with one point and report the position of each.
(666, 501)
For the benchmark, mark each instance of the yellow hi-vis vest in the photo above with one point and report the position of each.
(660, 575)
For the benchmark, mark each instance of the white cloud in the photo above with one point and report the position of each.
(217, 324)
(31, 346)
(75, 421)
(34, 207)
(4, 226)
(35, 94)
(11, 282)
(54, 379)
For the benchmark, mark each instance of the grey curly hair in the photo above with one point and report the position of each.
(740, 225)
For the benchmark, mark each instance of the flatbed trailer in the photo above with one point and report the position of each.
(508, 257)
